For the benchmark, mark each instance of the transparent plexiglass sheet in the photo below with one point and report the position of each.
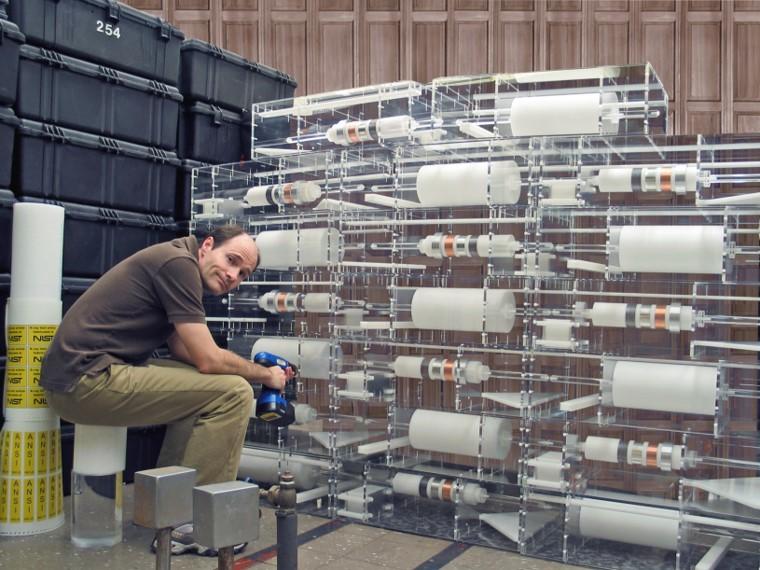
(608, 101)
(542, 343)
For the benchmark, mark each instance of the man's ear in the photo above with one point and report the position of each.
(208, 243)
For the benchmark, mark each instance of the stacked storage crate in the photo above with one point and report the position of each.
(219, 88)
(98, 108)
(10, 41)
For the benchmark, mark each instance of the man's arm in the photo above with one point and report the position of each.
(193, 343)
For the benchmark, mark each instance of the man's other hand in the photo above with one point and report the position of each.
(277, 377)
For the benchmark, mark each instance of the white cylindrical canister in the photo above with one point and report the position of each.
(320, 302)
(99, 450)
(647, 526)
(608, 314)
(311, 357)
(574, 114)
(37, 251)
(266, 469)
(601, 448)
(447, 432)
(671, 249)
(461, 309)
(676, 388)
(498, 245)
(408, 366)
(468, 183)
(286, 249)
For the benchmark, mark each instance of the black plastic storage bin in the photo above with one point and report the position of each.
(213, 75)
(212, 134)
(72, 288)
(104, 31)
(96, 239)
(10, 42)
(185, 188)
(69, 92)
(7, 199)
(8, 125)
(69, 165)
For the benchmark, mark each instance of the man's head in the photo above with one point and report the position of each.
(227, 256)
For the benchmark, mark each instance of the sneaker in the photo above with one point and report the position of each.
(184, 543)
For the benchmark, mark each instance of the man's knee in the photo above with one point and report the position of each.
(242, 391)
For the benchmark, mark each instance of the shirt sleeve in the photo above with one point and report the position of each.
(180, 291)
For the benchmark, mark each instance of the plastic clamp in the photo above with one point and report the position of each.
(114, 10)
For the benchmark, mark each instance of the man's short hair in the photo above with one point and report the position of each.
(222, 233)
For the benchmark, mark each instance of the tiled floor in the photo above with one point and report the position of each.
(350, 547)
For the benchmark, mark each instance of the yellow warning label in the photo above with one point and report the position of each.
(15, 398)
(15, 500)
(42, 453)
(33, 378)
(16, 357)
(29, 452)
(15, 378)
(58, 494)
(42, 498)
(36, 398)
(36, 353)
(55, 454)
(3, 499)
(16, 336)
(29, 499)
(41, 335)
(6, 458)
(17, 442)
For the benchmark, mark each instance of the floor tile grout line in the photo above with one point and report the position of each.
(451, 552)
(271, 551)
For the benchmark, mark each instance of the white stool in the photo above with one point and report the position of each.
(96, 485)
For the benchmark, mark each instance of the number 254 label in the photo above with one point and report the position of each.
(108, 29)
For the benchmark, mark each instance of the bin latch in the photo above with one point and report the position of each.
(114, 10)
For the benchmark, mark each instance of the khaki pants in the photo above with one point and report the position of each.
(207, 413)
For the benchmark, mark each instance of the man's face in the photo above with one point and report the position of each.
(224, 267)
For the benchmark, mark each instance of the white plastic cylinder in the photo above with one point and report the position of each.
(467, 183)
(646, 526)
(675, 388)
(601, 448)
(311, 357)
(608, 314)
(37, 251)
(671, 249)
(408, 366)
(447, 432)
(499, 245)
(573, 114)
(394, 127)
(99, 450)
(462, 309)
(285, 249)
(319, 302)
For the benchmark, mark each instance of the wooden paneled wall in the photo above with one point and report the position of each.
(707, 52)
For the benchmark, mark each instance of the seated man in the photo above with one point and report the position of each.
(98, 370)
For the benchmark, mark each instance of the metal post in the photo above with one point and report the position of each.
(226, 558)
(287, 524)
(163, 548)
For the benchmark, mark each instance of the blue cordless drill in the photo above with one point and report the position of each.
(273, 406)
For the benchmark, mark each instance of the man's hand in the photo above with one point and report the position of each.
(278, 377)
